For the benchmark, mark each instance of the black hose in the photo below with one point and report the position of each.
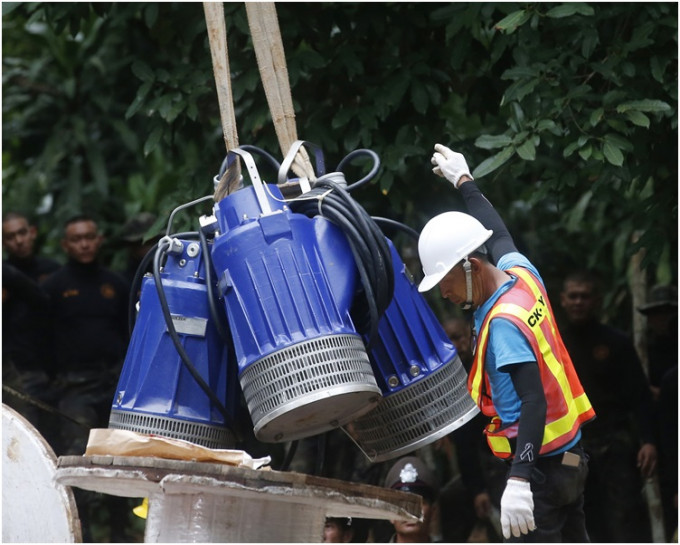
(137, 280)
(222, 329)
(367, 243)
(370, 175)
(398, 225)
(321, 448)
(228, 420)
(258, 151)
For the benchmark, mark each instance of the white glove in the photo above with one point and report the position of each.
(449, 164)
(517, 508)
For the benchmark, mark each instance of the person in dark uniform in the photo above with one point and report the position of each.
(621, 441)
(661, 311)
(88, 309)
(24, 320)
(411, 474)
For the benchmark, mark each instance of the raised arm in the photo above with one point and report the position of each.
(452, 166)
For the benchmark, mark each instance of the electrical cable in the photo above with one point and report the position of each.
(250, 148)
(367, 243)
(182, 207)
(222, 329)
(259, 151)
(137, 280)
(372, 172)
(401, 226)
(163, 245)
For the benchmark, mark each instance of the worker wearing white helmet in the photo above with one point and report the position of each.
(522, 377)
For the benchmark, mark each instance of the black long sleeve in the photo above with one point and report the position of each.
(527, 382)
(480, 208)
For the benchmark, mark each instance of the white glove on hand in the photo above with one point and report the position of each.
(449, 164)
(517, 508)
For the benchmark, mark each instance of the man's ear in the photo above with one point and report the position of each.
(476, 263)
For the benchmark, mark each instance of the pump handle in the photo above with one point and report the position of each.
(254, 177)
(290, 157)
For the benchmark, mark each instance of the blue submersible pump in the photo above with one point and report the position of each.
(176, 380)
(420, 374)
(421, 377)
(288, 282)
(302, 306)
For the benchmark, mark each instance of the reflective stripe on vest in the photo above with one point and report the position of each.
(526, 305)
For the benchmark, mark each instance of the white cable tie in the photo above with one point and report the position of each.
(320, 198)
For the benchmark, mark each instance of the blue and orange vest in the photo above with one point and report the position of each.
(526, 305)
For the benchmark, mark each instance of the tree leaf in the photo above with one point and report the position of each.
(612, 154)
(596, 116)
(510, 23)
(492, 163)
(572, 8)
(139, 99)
(647, 105)
(575, 216)
(143, 71)
(618, 141)
(152, 141)
(585, 152)
(527, 150)
(638, 118)
(419, 96)
(489, 141)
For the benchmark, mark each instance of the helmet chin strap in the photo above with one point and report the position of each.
(467, 267)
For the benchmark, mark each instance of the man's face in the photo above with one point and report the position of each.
(578, 301)
(333, 533)
(453, 286)
(81, 241)
(18, 237)
(416, 532)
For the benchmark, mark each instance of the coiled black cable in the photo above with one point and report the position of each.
(367, 243)
(397, 225)
(372, 172)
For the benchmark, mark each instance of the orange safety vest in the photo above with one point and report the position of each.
(526, 305)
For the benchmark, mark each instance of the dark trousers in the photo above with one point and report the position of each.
(558, 491)
(615, 505)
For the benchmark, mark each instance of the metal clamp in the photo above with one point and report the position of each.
(254, 177)
(290, 157)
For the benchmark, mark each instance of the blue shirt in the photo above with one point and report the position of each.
(507, 346)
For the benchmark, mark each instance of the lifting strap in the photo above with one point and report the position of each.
(271, 61)
(217, 36)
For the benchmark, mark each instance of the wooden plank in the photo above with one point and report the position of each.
(112, 474)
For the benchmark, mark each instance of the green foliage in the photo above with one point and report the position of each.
(566, 112)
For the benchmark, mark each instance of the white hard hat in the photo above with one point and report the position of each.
(444, 241)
